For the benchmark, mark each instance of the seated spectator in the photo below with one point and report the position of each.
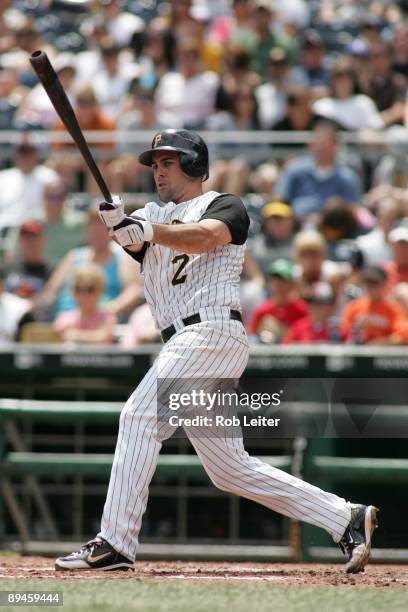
(91, 118)
(374, 246)
(267, 37)
(313, 72)
(237, 72)
(15, 312)
(124, 285)
(385, 87)
(400, 295)
(397, 268)
(141, 328)
(308, 182)
(400, 48)
(236, 28)
(318, 326)
(275, 240)
(230, 173)
(121, 24)
(11, 95)
(157, 54)
(339, 227)
(348, 109)
(186, 97)
(373, 318)
(112, 82)
(310, 252)
(36, 110)
(125, 172)
(30, 270)
(271, 95)
(89, 323)
(64, 226)
(272, 319)
(299, 114)
(22, 187)
(392, 168)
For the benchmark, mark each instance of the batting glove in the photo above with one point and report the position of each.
(112, 213)
(133, 230)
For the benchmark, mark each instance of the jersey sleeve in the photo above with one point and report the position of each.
(230, 210)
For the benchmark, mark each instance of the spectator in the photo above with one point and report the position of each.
(400, 48)
(373, 318)
(11, 96)
(89, 324)
(91, 118)
(237, 72)
(267, 38)
(112, 82)
(299, 114)
(318, 326)
(22, 187)
(36, 110)
(374, 246)
(310, 252)
(29, 272)
(141, 328)
(157, 55)
(400, 295)
(275, 240)
(308, 182)
(313, 72)
(186, 97)
(271, 95)
(397, 268)
(236, 28)
(64, 225)
(272, 319)
(123, 281)
(339, 227)
(230, 172)
(386, 87)
(348, 109)
(15, 312)
(392, 168)
(122, 25)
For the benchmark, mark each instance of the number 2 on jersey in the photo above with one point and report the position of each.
(179, 278)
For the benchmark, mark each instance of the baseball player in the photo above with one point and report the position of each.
(191, 252)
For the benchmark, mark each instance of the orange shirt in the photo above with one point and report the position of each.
(376, 319)
(100, 122)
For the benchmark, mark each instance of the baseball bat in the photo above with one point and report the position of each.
(52, 85)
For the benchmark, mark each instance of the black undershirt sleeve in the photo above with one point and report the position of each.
(230, 210)
(139, 255)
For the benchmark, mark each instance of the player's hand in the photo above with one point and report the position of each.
(112, 213)
(133, 230)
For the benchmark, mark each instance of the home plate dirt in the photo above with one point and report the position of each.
(381, 576)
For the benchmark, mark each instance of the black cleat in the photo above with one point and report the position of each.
(356, 541)
(97, 554)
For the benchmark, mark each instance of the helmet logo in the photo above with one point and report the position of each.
(157, 140)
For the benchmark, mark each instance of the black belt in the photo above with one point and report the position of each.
(167, 333)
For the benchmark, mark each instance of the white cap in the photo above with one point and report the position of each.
(399, 234)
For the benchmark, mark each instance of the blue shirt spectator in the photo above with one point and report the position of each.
(307, 182)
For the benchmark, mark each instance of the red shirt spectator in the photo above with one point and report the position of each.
(277, 314)
(318, 325)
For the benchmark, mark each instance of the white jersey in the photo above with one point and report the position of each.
(179, 284)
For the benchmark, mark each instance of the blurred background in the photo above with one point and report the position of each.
(305, 110)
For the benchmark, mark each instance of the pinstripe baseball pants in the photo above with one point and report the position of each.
(214, 350)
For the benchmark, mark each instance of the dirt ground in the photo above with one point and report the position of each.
(381, 576)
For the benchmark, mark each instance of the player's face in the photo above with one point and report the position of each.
(171, 182)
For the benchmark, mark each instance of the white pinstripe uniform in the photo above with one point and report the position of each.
(215, 348)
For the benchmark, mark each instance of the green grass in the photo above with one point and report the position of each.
(148, 596)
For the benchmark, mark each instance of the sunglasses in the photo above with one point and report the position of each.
(85, 289)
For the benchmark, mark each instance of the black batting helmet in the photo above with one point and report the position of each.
(192, 148)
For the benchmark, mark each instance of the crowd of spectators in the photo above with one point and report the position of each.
(327, 256)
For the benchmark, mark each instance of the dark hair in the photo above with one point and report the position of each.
(246, 89)
(338, 214)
